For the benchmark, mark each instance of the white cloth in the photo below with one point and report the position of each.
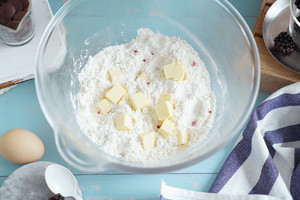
(172, 193)
(266, 157)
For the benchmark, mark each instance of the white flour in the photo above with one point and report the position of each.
(193, 99)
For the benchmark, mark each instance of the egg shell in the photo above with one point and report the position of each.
(21, 146)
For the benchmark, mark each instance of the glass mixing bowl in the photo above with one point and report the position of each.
(81, 28)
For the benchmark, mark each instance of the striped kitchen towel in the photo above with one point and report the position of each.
(266, 157)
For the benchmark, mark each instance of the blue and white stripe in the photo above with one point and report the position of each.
(265, 162)
(266, 158)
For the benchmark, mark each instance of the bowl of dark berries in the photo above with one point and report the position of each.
(281, 33)
(16, 23)
(287, 41)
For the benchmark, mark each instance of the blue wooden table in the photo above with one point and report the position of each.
(19, 108)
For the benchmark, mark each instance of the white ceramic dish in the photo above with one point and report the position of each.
(27, 182)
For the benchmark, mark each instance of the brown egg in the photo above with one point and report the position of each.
(21, 146)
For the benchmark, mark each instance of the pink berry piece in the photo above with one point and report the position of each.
(144, 60)
(122, 154)
(135, 51)
(152, 53)
(209, 111)
(148, 83)
(194, 64)
(194, 123)
(158, 126)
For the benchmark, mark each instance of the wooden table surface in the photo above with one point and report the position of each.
(19, 108)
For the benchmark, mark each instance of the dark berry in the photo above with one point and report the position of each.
(284, 43)
(297, 3)
(57, 197)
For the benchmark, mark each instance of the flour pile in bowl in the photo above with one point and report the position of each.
(138, 67)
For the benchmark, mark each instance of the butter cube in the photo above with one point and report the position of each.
(162, 121)
(185, 76)
(166, 128)
(174, 71)
(104, 106)
(164, 110)
(116, 93)
(123, 122)
(165, 97)
(139, 101)
(143, 76)
(114, 75)
(148, 139)
(182, 137)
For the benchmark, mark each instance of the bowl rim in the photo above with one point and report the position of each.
(125, 165)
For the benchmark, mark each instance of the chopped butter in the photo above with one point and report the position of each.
(164, 110)
(165, 97)
(116, 93)
(162, 121)
(174, 71)
(148, 139)
(166, 128)
(143, 76)
(139, 101)
(123, 122)
(104, 106)
(182, 137)
(114, 74)
(185, 76)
